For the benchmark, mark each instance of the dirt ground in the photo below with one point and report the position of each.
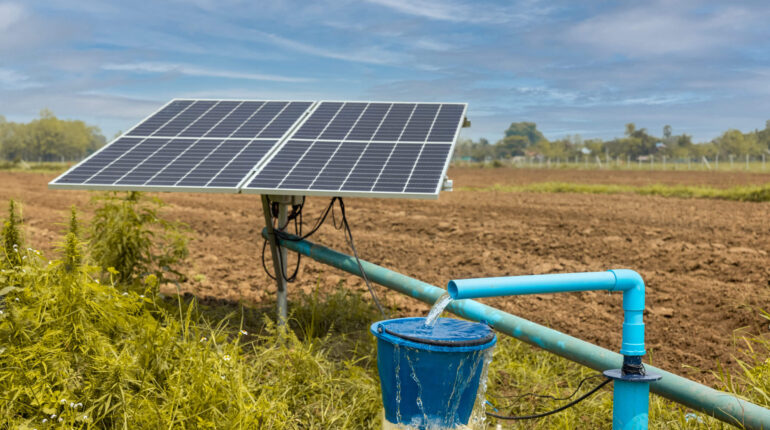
(705, 262)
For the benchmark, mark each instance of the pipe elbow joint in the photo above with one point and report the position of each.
(632, 285)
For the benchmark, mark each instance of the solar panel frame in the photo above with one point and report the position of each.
(277, 144)
(246, 189)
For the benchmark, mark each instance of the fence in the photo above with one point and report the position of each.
(649, 162)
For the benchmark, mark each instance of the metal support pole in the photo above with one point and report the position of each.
(278, 268)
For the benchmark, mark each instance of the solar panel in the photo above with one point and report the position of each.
(365, 149)
(189, 145)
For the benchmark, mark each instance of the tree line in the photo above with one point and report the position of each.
(48, 138)
(523, 139)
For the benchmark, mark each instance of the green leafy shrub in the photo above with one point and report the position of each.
(79, 353)
(128, 235)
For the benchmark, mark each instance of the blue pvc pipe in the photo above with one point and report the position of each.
(624, 280)
(721, 405)
(631, 396)
(628, 412)
(530, 284)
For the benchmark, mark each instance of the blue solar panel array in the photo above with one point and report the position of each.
(327, 148)
(189, 145)
(365, 148)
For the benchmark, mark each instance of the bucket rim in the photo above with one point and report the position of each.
(383, 334)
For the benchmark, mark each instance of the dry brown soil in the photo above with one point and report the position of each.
(705, 262)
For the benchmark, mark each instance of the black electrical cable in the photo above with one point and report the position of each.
(349, 238)
(295, 215)
(548, 396)
(553, 411)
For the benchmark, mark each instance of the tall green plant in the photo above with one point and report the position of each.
(128, 235)
(11, 236)
(72, 249)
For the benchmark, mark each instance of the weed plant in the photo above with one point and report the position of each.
(128, 235)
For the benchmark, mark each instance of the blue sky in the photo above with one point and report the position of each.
(572, 67)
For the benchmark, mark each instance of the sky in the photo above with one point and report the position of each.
(584, 68)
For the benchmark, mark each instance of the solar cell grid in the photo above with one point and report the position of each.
(223, 118)
(359, 148)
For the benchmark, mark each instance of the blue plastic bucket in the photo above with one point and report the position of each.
(430, 377)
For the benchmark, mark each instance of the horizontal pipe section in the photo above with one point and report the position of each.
(723, 406)
(530, 284)
(627, 281)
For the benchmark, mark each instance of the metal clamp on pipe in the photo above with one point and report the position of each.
(632, 383)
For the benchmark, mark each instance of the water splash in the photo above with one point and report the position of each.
(479, 416)
(437, 309)
(397, 357)
(419, 386)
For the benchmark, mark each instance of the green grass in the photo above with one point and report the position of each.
(699, 166)
(749, 193)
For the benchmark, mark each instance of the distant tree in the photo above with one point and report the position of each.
(630, 128)
(596, 146)
(667, 131)
(48, 139)
(527, 130)
(512, 146)
(736, 143)
(763, 137)
(680, 146)
(561, 148)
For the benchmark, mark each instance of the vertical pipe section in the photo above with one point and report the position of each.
(627, 412)
(722, 406)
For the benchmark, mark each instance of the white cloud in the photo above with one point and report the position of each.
(453, 11)
(13, 80)
(369, 55)
(10, 13)
(661, 28)
(190, 70)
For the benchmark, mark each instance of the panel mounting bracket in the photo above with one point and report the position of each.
(447, 184)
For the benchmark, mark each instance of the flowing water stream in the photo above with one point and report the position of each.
(437, 309)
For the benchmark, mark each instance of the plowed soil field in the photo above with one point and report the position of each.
(705, 262)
